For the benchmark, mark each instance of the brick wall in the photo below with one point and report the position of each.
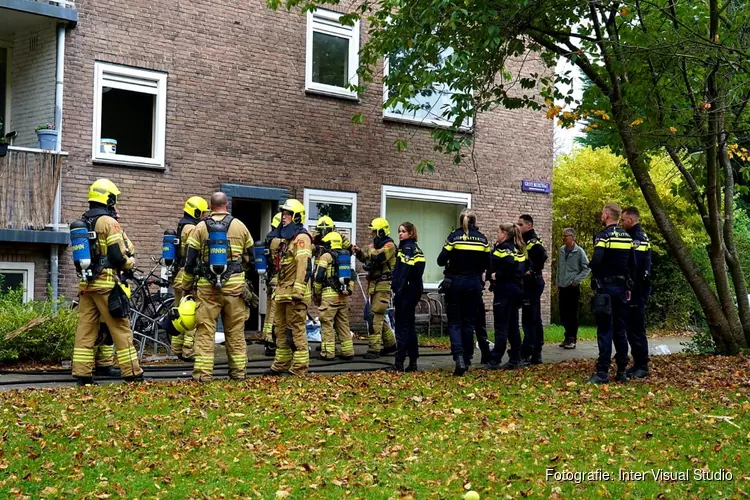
(38, 254)
(33, 82)
(237, 112)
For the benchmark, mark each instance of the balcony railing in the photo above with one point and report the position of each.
(28, 185)
(66, 4)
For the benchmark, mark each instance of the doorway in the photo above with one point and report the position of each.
(256, 215)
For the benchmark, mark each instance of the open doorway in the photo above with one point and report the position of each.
(256, 215)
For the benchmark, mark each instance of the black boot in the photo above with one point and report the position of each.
(486, 357)
(460, 367)
(492, 364)
(621, 377)
(345, 358)
(638, 373)
(412, 366)
(399, 365)
(107, 371)
(81, 381)
(371, 355)
(536, 359)
(599, 378)
(273, 373)
(511, 365)
(135, 379)
(188, 359)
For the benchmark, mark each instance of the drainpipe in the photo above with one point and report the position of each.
(54, 250)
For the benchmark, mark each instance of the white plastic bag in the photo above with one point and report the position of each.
(660, 350)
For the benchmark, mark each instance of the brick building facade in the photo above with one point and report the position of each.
(231, 81)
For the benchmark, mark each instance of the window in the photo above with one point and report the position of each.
(130, 116)
(434, 103)
(338, 205)
(434, 213)
(332, 54)
(18, 274)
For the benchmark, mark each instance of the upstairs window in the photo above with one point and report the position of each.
(332, 54)
(130, 114)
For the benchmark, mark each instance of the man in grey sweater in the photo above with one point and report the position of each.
(572, 269)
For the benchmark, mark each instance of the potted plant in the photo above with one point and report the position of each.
(47, 136)
(3, 146)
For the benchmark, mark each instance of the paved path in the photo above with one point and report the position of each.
(432, 360)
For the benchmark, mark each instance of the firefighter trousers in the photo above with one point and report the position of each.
(104, 349)
(182, 344)
(292, 354)
(334, 325)
(269, 335)
(381, 335)
(234, 313)
(93, 308)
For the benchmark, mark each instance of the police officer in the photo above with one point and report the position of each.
(220, 287)
(533, 287)
(465, 257)
(407, 291)
(196, 209)
(612, 267)
(508, 266)
(292, 251)
(98, 289)
(333, 299)
(271, 279)
(379, 260)
(636, 328)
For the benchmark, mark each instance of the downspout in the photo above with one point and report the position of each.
(56, 213)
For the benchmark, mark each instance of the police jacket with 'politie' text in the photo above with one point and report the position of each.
(535, 250)
(465, 254)
(642, 255)
(410, 264)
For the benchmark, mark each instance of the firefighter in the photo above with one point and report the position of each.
(465, 257)
(612, 268)
(332, 294)
(631, 222)
(269, 335)
(104, 352)
(407, 291)
(379, 260)
(220, 250)
(196, 209)
(533, 287)
(324, 226)
(508, 267)
(292, 254)
(101, 297)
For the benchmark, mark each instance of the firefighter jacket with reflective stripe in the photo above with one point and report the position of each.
(410, 264)
(379, 260)
(465, 254)
(111, 244)
(324, 286)
(613, 260)
(294, 268)
(240, 255)
(179, 281)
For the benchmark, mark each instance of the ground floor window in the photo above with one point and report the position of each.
(18, 275)
(341, 206)
(434, 213)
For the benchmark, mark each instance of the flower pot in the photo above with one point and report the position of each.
(47, 139)
(3, 149)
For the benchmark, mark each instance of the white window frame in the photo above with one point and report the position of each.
(327, 22)
(137, 80)
(27, 268)
(342, 197)
(421, 194)
(391, 115)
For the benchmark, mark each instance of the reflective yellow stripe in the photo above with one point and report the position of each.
(477, 247)
(304, 253)
(239, 361)
(302, 357)
(113, 238)
(283, 355)
(448, 246)
(83, 352)
(126, 355)
(620, 246)
(602, 243)
(193, 243)
(502, 253)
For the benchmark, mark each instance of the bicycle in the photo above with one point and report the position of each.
(149, 309)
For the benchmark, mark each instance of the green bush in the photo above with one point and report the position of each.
(700, 343)
(50, 341)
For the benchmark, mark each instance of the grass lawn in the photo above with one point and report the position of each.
(383, 435)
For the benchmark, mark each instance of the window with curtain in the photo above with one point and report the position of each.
(434, 221)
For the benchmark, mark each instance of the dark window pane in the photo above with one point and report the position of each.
(330, 59)
(9, 281)
(128, 118)
(337, 212)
